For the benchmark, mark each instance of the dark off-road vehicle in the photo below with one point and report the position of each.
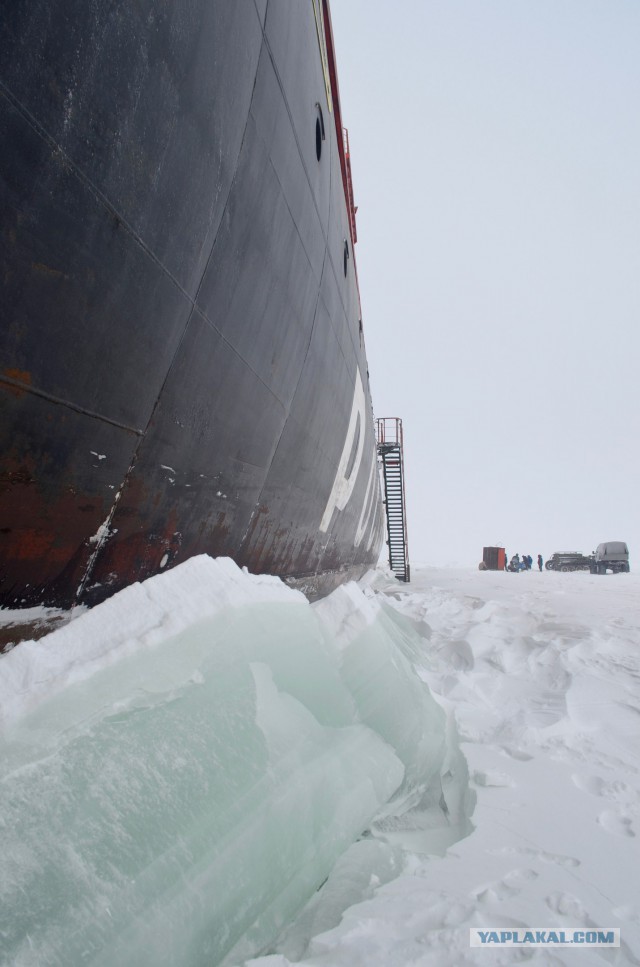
(569, 561)
(612, 556)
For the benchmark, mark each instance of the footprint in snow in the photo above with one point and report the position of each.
(616, 823)
(627, 912)
(617, 791)
(567, 905)
(509, 886)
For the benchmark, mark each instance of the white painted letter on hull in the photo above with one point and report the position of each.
(346, 476)
(367, 517)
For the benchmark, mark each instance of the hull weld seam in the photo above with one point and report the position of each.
(16, 384)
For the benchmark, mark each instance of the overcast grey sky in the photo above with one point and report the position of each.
(496, 161)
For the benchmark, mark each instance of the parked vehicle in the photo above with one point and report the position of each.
(612, 556)
(569, 561)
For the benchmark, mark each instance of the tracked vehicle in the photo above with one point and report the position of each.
(569, 561)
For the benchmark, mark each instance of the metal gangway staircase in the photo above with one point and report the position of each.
(390, 451)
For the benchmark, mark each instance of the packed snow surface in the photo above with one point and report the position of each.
(206, 768)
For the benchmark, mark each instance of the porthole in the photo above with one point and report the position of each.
(319, 131)
(345, 257)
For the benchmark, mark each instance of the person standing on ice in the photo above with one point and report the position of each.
(539, 562)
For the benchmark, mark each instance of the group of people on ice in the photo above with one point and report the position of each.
(516, 564)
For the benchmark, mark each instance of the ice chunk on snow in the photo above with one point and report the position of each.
(184, 764)
(389, 695)
(364, 867)
(139, 616)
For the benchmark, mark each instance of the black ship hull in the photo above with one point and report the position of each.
(182, 367)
